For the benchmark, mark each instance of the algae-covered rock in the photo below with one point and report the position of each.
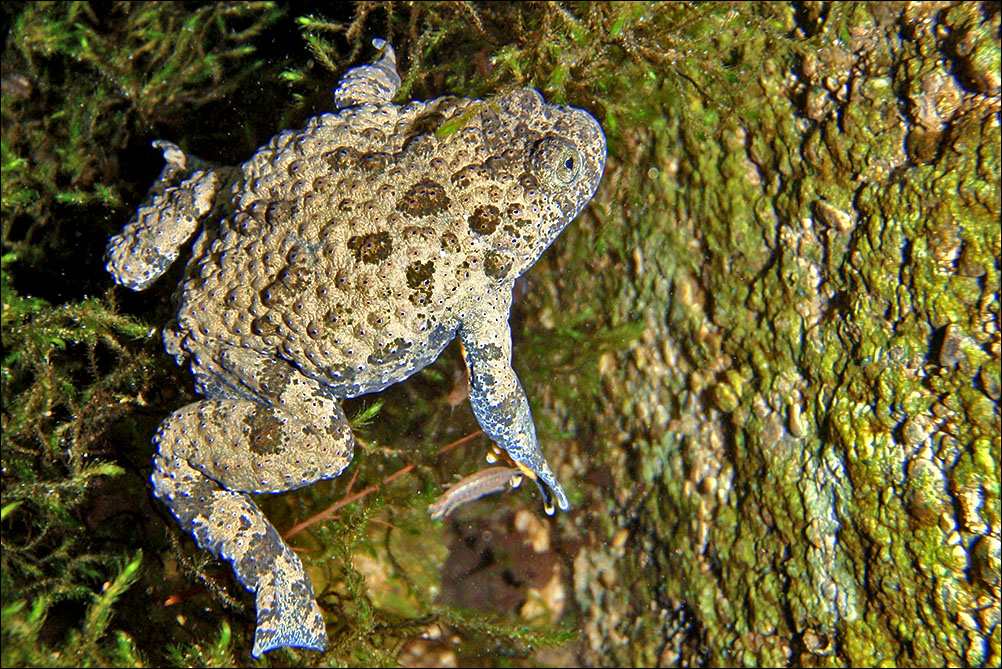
(804, 439)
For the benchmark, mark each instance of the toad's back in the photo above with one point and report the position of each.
(355, 247)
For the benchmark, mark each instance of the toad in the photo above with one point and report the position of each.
(338, 260)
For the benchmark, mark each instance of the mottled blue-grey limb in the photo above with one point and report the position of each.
(375, 83)
(176, 202)
(498, 400)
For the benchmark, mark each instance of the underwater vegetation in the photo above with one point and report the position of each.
(766, 357)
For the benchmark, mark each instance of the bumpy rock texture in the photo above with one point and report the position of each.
(338, 260)
(803, 460)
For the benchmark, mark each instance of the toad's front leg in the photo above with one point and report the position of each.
(287, 433)
(176, 203)
(499, 403)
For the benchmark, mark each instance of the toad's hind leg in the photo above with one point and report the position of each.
(212, 454)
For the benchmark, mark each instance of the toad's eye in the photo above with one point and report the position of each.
(555, 163)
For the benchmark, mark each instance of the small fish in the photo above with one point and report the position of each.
(473, 487)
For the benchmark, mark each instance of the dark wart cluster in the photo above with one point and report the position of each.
(484, 219)
(371, 248)
(419, 278)
(341, 159)
(425, 198)
(497, 265)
